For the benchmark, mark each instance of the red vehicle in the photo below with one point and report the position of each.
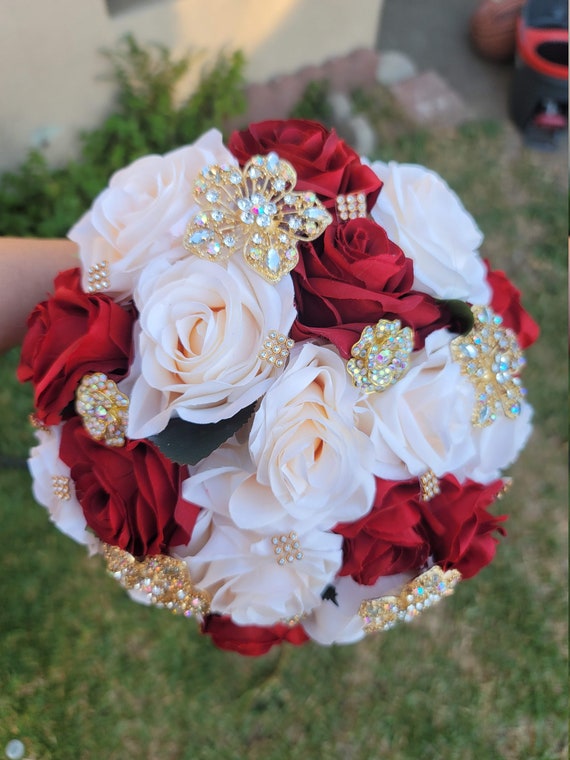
(539, 91)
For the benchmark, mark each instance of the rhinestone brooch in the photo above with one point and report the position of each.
(254, 210)
(416, 596)
(103, 408)
(490, 357)
(381, 356)
(165, 580)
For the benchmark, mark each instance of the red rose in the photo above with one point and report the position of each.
(130, 495)
(506, 301)
(352, 276)
(401, 531)
(250, 640)
(70, 335)
(324, 163)
(459, 528)
(387, 540)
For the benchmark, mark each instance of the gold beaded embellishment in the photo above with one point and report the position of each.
(276, 348)
(286, 549)
(257, 212)
(60, 486)
(293, 621)
(98, 277)
(490, 357)
(351, 206)
(164, 579)
(507, 485)
(37, 424)
(429, 485)
(103, 407)
(381, 356)
(416, 596)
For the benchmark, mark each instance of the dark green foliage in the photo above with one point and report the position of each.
(148, 117)
(188, 442)
(314, 103)
(463, 320)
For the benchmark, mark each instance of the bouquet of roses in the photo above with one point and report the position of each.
(281, 389)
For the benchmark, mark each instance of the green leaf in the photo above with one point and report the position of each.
(187, 442)
(461, 313)
(330, 594)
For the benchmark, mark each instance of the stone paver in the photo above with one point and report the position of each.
(425, 97)
(394, 67)
(275, 99)
(430, 101)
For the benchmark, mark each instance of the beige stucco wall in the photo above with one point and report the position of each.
(50, 62)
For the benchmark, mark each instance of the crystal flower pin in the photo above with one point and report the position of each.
(164, 579)
(254, 210)
(490, 357)
(416, 596)
(103, 408)
(381, 356)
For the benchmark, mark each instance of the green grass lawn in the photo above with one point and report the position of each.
(86, 674)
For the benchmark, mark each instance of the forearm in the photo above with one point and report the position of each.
(27, 269)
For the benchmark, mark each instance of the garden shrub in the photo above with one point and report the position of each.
(148, 116)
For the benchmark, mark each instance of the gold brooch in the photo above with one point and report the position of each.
(351, 206)
(381, 356)
(165, 580)
(429, 485)
(490, 357)
(257, 212)
(61, 487)
(37, 424)
(276, 348)
(103, 408)
(98, 277)
(415, 597)
(286, 548)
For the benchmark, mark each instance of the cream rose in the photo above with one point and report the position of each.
(338, 622)
(306, 448)
(424, 422)
(304, 443)
(201, 327)
(430, 224)
(53, 488)
(214, 484)
(143, 213)
(261, 578)
(307, 464)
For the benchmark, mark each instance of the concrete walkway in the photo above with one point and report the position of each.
(436, 74)
(434, 35)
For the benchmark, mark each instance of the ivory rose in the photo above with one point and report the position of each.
(430, 224)
(307, 463)
(305, 445)
(49, 471)
(241, 570)
(340, 623)
(424, 422)
(143, 213)
(202, 325)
